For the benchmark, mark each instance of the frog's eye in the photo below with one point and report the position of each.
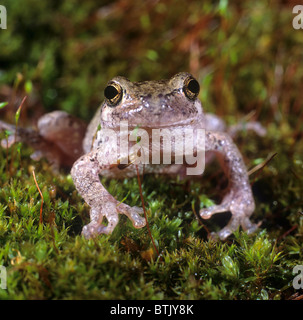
(113, 94)
(191, 88)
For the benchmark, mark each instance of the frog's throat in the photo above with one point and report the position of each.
(195, 122)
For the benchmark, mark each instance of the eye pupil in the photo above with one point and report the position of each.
(110, 92)
(193, 86)
(113, 94)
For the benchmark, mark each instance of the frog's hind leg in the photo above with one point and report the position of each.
(58, 138)
(32, 138)
(64, 131)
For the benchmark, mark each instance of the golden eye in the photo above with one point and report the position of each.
(191, 88)
(113, 94)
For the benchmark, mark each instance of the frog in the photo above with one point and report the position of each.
(91, 150)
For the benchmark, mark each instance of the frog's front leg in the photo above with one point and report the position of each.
(85, 173)
(239, 200)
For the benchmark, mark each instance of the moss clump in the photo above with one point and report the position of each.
(248, 60)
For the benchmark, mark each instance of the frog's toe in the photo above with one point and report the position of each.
(233, 225)
(95, 227)
(206, 213)
(92, 230)
(137, 220)
(223, 234)
(241, 209)
(8, 142)
(133, 213)
(248, 226)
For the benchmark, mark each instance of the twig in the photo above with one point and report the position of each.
(260, 166)
(288, 232)
(41, 218)
(263, 164)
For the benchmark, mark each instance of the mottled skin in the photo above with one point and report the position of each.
(148, 105)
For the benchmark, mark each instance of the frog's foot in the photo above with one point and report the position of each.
(95, 227)
(133, 213)
(12, 136)
(8, 142)
(233, 225)
(16, 134)
(241, 211)
(110, 211)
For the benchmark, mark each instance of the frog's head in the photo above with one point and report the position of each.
(152, 104)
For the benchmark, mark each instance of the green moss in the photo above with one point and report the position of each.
(247, 57)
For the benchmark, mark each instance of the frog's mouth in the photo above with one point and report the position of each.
(184, 123)
(168, 112)
(197, 122)
(154, 116)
